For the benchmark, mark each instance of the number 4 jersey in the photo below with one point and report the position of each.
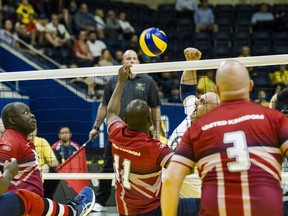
(238, 150)
(138, 162)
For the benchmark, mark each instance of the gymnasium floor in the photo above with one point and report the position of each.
(111, 211)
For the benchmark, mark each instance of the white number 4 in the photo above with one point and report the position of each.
(238, 151)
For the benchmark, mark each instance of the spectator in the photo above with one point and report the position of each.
(41, 30)
(65, 147)
(279, 78)
(82, 54)
(106, 58)
(246, 52)
(186, 5)
(262, 99)
(113, 26)
(206, 83)
(118, 57)
(58, 39)
(6, 34)
(126, 27)
(142, 87)
(95, 46)
(204, 18)
(25, 39)
(133, 44)
(47, 162)
(101, 25)
(84, 20)
(96, 85)
(31, 28)
(24, 10)
(262, 20)
(57, 35)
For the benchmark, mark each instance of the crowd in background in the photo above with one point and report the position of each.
(78, 33)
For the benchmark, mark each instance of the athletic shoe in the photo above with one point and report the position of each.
(83, 203)
(99, 208)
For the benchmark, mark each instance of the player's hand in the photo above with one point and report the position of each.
(11, 167)
(192, 54)
(124, 72)
(93, 134)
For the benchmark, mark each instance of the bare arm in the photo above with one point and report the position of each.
(10, 169)
(190, 76)
(113, 107)
(101, 114)
(171, 186)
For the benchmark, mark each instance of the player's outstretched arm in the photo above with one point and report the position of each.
(113, 107)
(189, 77)
(10, 170)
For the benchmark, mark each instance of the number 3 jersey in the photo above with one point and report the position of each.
(238, 149)
(138, 161)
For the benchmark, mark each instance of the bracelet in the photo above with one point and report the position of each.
(96, 128)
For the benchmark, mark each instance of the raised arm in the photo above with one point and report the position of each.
(113, 107)
(189, 77)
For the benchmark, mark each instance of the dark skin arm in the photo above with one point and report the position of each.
(113, 107)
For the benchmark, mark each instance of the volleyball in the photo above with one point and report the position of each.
(153, 41)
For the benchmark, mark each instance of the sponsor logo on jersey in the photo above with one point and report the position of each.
(6, 148)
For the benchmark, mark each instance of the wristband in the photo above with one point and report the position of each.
(96, 128)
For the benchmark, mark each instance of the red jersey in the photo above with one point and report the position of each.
(138, 161)
(238, 149)
(15, 145)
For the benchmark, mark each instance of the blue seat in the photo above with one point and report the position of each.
(261, 50)
(224, 24)
(202, 40)
(221, 52)
(279, 38)
(280, 49)
(243, 11)
(222, 39)
(224, 11)
(241, 39)
(261, 39)
(279, 8)
(242, 24)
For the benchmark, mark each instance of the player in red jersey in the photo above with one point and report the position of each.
(138, 158)
(238, 148)
(24, 180)
(19, 122)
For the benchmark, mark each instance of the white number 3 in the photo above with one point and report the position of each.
(238, 151)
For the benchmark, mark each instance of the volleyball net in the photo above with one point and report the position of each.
(55, 102)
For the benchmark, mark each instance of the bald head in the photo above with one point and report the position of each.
(233, 81)
(205, 104)
(17, 116)
(137, 116)
(130, 57)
